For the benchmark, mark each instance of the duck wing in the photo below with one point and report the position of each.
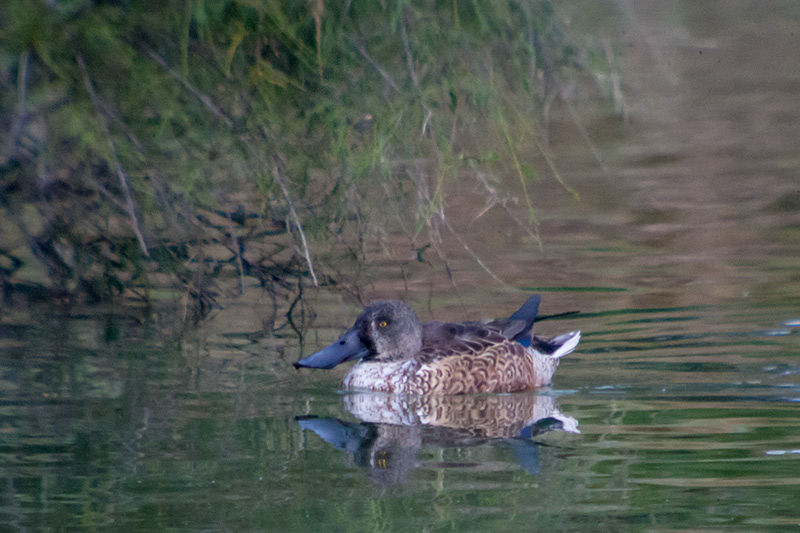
(445, 339)
(514, 327)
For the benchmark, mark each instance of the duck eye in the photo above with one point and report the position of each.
(382, 324)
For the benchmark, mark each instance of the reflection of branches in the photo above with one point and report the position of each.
(496, 199)
(123, 180)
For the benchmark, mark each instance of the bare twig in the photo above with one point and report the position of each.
(436, 241)
(276, 174)
(521, 174)
(422, 190)
(495, 199)
(409, 59)
(649, 38)
(469, 250)
(363, 51)
(436, 237)
(584, 135)
(239, 263)
(427, 125)
(616, 84)
(317, 9)
(123, 180)
(19, 113)
(552, 164)
(204, 98)
(108, 194)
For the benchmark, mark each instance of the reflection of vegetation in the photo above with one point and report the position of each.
(265, 140)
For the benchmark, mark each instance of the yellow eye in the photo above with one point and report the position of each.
(382, 324)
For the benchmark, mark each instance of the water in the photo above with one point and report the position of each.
(678, 411)
(676, 430)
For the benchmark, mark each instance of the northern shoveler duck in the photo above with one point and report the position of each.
(398, 354)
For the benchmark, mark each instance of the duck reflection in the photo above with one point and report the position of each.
(394, 429)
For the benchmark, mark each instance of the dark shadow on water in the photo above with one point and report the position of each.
(394, 430)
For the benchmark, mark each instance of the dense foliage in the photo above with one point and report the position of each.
(151, 142)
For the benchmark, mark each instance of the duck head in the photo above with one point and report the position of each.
(387, 330)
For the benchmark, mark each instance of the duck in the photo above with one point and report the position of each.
(398, 354)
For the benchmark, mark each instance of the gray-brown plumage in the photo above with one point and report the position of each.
(491, 416)
(400, 355)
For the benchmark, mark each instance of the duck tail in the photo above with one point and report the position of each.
(565, 344)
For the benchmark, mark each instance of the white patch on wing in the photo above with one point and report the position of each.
(568, 343)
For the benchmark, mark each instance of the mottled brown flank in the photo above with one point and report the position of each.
(475, 360)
